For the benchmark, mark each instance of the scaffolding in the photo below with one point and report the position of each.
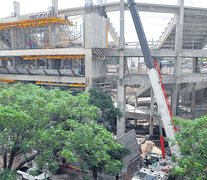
(41, 33)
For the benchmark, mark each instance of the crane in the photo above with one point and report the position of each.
(156, 83)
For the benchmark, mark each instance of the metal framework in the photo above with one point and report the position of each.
(41, 33)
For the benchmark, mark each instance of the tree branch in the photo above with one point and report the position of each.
(32, 157)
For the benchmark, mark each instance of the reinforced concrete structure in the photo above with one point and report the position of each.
(47, 48)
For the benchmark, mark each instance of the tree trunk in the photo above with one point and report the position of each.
(94, 171)
(5, 161)
(117, 177)
(12, 155)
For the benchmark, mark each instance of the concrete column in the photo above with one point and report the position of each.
(193, 101)
(151, 124)
(54, 8)
(136, 101)
(13, 46)
(178, 48)
(52, 32)
(175, 98)
(195, 65)
(12, 39)
(121, 40)
(89, 69)
(121, 89)
(121, 105)
(16, 9)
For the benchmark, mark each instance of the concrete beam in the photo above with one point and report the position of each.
(194, 53)
(147, 7)
(191, 78)
(111, 7)
(72, 11)
(57, 79)
(143, 79)
(39, 52)
(134, 52)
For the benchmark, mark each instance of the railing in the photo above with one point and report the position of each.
(152, 45)
(187, 45)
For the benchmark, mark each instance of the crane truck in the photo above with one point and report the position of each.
(164, 109)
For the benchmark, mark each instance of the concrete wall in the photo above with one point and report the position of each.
(99, 68)
(95, 31)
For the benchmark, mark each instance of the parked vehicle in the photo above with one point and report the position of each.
(32, 174)
(166, 63)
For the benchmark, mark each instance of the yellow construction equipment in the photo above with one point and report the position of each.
(32, 23)
(64, 57)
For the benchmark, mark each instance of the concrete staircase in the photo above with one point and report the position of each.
(139, 92)
(112, 32)
(170, 27)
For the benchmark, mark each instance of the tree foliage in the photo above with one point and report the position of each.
(192, 138)
(44, 121)
(95, 148)
(29, 114)
(108, 112)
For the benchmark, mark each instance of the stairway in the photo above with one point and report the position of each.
(170, 27)
(112, 32)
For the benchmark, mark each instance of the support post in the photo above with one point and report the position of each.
(16, 9)
(89, 69)
(178, 48)
(54, 8)
(195, 65)
(121, 88)
(136, 101)
(151, 124)
(193, 101)
(121, 105)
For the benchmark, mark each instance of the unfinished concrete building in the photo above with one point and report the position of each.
(46, 48)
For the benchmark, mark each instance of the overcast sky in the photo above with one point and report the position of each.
(154, 23)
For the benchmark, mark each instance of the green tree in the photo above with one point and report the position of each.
(39, 120)
(108, 112)
(28, 116)
(192, 138)
(94, 147)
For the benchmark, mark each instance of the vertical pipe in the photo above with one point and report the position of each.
(107, 36)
